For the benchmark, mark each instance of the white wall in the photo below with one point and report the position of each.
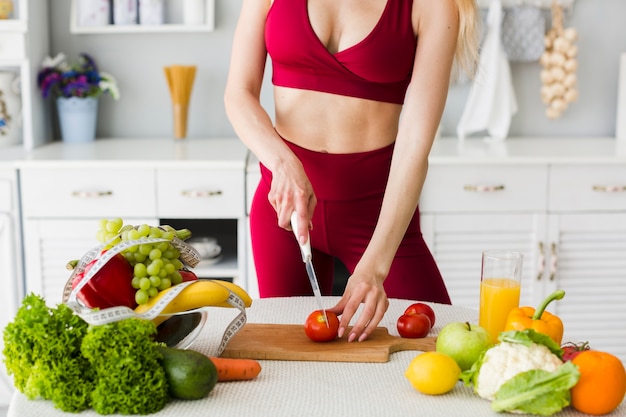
(145, 109)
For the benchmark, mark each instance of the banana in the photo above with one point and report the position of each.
(245, 297)
(201, 293)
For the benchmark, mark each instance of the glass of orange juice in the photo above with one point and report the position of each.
(500, 284)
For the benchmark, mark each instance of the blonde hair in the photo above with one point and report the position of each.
(468, 41)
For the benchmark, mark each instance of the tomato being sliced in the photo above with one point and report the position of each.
(316, 329)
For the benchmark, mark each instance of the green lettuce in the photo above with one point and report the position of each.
(537, 392)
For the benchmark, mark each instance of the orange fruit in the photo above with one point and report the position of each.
(602, 384)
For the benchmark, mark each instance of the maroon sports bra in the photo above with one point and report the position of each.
(377, 68)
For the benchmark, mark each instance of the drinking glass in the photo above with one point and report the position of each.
(500, 284)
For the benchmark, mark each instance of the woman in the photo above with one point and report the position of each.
(339, 153)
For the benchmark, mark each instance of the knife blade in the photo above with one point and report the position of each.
(307, 258)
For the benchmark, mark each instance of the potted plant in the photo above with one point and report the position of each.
(77, 88)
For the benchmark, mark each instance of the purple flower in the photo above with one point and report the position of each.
(79, 80)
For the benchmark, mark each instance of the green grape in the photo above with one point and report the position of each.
(168, 235)
(153, 291)
(113, 238)
(155, 280)
(133, 234)
(140, 270)
(101, 235)
(139, 257)
(176, 277)
(141, 297)
(162, 246)
(165, 284)
(144, 283)
(144, 230)
(154, 254)
(170, 253)
(114, 225)
(102, 224)
(169, 267)
(135, 283)
(154, 267)
(177, 264)
(163, 273)
(155, 232)
(129, 257)
(145, 248)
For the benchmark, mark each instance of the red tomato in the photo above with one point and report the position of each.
(423, 309)
(316, 329)
(571, 350)
(414, 325)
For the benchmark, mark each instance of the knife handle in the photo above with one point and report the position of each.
(306, 248)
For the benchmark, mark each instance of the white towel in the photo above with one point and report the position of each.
(491, 102)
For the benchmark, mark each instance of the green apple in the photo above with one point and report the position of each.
(464, 342)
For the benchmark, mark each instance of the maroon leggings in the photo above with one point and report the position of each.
(349, 190)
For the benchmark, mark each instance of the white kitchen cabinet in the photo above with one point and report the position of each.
(10, 266)
(61, 208)
(589, 254)
(466, 209)
(209, 202)
(23, 46)
(194, 184)
(458, 240)
(586, 244)
(568, 218)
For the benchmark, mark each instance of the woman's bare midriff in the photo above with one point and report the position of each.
(335, 124)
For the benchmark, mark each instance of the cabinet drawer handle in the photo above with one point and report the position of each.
(542, 262)
(483, 188)
(91, 194)
(200, 193)
(609, 188)
(554, 262)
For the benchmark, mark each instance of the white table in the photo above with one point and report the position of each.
(317, 389)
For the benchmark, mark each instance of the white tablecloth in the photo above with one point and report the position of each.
(317, 389)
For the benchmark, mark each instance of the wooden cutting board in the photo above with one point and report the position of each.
(288, 342)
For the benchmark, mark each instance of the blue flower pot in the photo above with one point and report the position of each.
(78, 117)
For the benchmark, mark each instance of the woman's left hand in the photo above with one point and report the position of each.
(366, 289)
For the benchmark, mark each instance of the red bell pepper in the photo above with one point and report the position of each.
(187, 275)
(110, 286)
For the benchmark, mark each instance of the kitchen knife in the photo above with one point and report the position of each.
(307, 258)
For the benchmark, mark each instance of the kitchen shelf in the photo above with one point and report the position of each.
(112, 29)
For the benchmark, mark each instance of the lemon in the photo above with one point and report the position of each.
(433, 373)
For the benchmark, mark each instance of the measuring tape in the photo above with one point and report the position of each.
(109, 315)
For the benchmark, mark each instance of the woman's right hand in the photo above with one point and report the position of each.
(292, 191)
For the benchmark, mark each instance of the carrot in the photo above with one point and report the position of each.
(235, 369)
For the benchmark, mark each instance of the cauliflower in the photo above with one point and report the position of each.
(523, 374)
(505, 360)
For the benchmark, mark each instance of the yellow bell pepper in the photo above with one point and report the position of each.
(541, 321)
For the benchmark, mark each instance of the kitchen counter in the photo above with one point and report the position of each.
(288, 388)
(449, 150)
(163, 152)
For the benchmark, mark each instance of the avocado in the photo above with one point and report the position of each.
(190, 374)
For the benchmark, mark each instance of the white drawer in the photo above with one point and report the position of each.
(88, 193)
(484, 188)
(12, 46)
(587, 187)
(200, 193)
